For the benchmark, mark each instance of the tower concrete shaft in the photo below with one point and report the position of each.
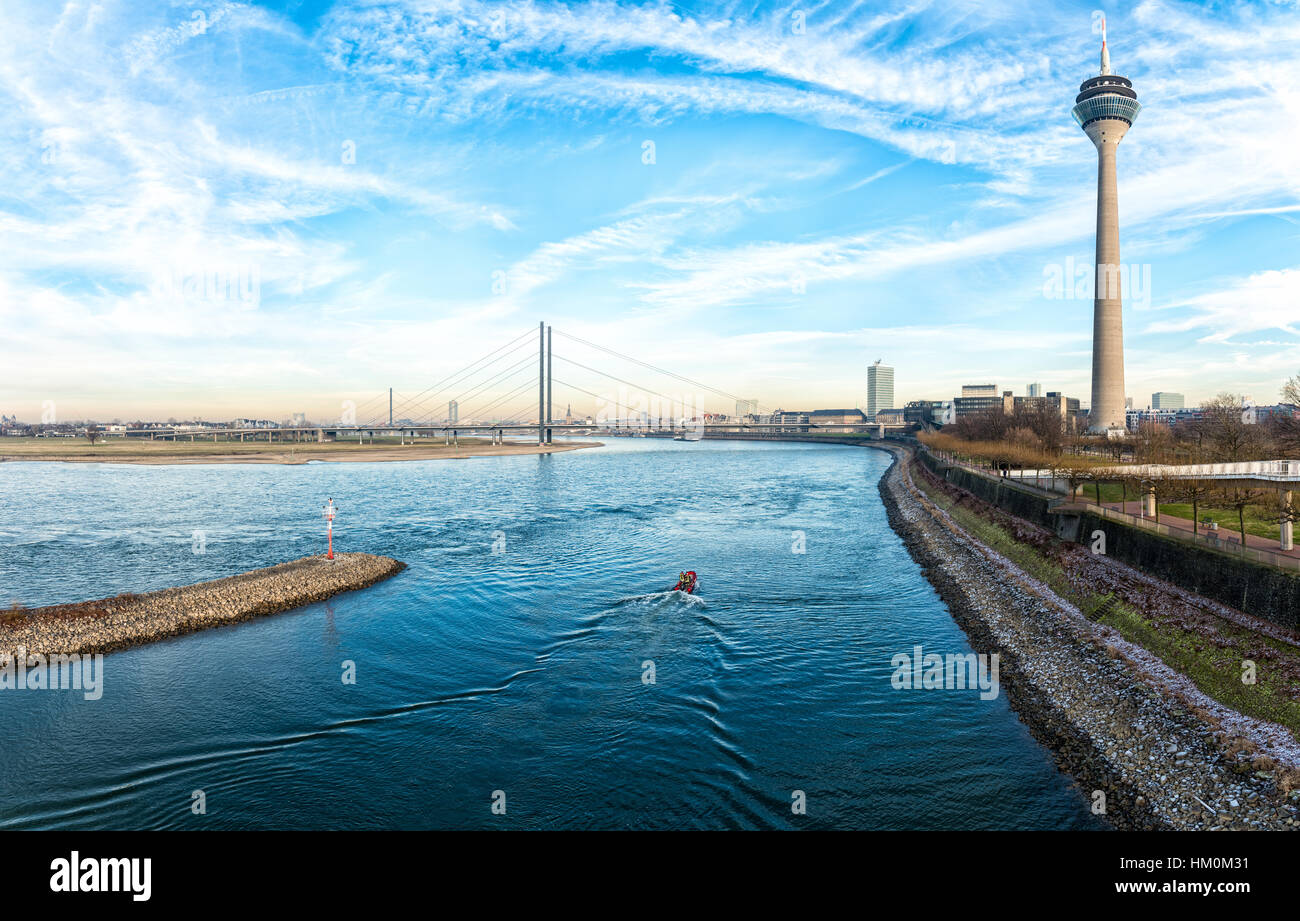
(1108, 411)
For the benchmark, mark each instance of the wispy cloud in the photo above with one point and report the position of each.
(819, 167)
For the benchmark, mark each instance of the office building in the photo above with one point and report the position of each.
(880, 389)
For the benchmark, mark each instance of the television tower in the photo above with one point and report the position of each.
(1105, 109)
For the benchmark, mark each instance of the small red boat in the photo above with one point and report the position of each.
(686, 582)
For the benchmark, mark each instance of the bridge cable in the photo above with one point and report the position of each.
(467, 368)
(665, 371)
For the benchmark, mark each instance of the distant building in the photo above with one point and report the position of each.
(978, 398)
(1136, 418)
(918, 412)
(746, 408)
(453, 412)
(1262, 413)
(1034, 390)
(890, 417)
(1066, 407)
(788, 422)
(837, 417)
(1128, 403)
(1167, 400)
(880, 388)
(928, 412)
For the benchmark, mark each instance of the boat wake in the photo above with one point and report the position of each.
(660, 599)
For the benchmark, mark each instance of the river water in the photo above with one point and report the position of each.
(529, 657)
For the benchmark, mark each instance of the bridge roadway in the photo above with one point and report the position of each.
(498, 430)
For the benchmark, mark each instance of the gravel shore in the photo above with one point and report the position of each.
(1114, 719)
(133, 620)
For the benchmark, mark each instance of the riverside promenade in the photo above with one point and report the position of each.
(1136, 735)
(133, 620)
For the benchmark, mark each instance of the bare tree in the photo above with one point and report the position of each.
(1277, 509)
(1291, 391)
(1195, 491)
(1153, 443)
(1225, 430)
(1240, 498)
(1284, 433)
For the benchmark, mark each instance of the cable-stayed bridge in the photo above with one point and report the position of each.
(513, 389)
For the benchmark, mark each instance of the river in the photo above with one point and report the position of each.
(529, 658)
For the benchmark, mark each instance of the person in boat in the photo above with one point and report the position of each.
(683, 583)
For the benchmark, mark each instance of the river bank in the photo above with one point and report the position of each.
(1124, 725)
(130, 620)
(235, 452)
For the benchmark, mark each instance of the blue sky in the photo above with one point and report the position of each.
(390, 189)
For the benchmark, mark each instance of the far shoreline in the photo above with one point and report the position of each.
(168, 453)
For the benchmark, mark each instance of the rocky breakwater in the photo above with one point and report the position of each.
(133, 620)
(1118, 720)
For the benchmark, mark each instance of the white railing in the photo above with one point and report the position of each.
(1273, 471)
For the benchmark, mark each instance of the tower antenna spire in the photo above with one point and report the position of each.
(1105, 54)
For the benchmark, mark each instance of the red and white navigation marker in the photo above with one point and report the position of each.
(329, 527)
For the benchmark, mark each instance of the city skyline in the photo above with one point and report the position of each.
(765, 207)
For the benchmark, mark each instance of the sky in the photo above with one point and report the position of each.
(222, 210)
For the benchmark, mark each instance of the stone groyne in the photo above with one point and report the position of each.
(1117, 720)
(133, 620)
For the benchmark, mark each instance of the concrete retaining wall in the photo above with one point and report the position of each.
(1264, 591)
(1006, 495)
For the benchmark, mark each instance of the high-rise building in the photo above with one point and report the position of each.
(746, 408)
(1166, 400)
(1105, 109)
(1034, 390)
(453, 412)
(880, 389)
(979, 390)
